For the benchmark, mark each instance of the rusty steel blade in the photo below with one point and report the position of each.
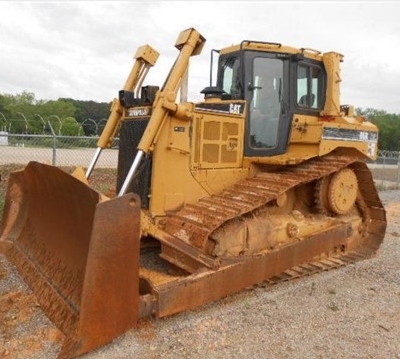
(80, 256)
(110, 295)
(48, 217)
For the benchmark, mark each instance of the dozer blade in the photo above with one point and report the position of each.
(79, 255)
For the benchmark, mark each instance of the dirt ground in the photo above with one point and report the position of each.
(17, 309)
(26, 333)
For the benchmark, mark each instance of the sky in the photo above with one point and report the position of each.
(84, 50)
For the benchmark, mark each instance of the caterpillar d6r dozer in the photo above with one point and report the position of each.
(262, 181)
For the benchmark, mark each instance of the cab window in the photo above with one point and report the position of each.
(309, 84)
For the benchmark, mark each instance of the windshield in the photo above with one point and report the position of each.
(229, 80)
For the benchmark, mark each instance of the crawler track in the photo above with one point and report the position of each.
(195, 223)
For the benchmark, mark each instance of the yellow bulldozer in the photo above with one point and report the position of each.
(263, 180)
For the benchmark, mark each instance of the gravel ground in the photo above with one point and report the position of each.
(350, 312)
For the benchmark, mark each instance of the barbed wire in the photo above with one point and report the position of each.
(389, 154)
(24, 124)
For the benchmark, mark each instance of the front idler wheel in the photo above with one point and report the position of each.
(336, 194)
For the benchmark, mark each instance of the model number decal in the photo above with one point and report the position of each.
(344, 134)
(364, 136)
(133, 112)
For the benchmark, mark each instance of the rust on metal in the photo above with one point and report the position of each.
(49, 226)
(201, 288)
(110, 294)
(80, 256)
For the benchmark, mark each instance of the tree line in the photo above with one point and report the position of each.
(23, 113)
(389, 127)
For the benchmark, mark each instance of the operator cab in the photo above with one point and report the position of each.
(277, 82)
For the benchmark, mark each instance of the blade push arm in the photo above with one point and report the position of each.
(146, 57)
(190, 42)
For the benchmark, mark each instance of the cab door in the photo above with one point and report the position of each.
(267, 93)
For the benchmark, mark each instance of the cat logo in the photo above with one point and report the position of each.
(235, 108)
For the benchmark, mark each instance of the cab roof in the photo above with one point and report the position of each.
(272, 47)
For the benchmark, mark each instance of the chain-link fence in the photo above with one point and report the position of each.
(386, 169)
(54, 149)
(78, 151)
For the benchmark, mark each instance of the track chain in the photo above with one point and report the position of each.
(196, 222)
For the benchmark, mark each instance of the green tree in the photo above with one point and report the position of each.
(388, 125)
(95, 111)
(3, 106)
(55, 111)
(27, 114)
(71, 127)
